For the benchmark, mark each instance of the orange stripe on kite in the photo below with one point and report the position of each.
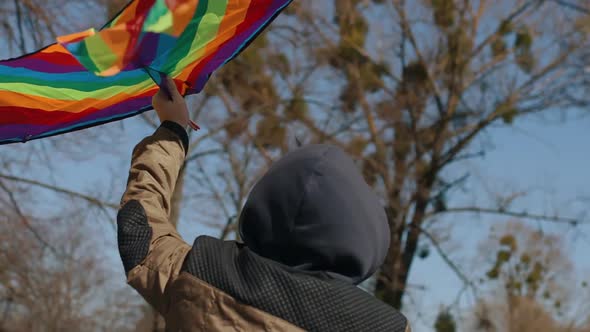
(10, 98)
(234, 15)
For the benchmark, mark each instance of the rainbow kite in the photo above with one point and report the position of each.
(94, 77)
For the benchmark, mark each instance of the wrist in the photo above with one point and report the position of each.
(182, 123)
(179, 130)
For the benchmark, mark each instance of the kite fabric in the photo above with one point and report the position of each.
(94, 77)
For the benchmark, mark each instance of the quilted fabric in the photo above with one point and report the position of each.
(314, 302)
(133, 234)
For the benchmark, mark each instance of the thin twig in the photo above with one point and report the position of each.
(410, 35)
(524, 215)
(19, 23)
(203, 153)
(25, 220)
(87, 198)
(228, 226)
(573, 6)
(445, 257)
(216, 194)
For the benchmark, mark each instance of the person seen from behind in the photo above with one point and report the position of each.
(311, 230)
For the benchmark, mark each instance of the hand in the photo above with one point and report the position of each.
(174, 110)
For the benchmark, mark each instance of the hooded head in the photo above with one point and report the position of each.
(313, 210)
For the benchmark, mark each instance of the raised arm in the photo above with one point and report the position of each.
(151, 249)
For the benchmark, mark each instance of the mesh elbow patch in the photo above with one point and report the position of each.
(133, 234)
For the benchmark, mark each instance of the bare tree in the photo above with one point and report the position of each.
(407, 88)
(531, 283)
(52, 274)
(54, 282)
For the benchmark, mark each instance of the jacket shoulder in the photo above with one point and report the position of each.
(309, 302)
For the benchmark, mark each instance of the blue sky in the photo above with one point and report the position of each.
(550, 158)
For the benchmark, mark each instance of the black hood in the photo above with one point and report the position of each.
(314, 211)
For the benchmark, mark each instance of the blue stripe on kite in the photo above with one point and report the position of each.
(71, 76)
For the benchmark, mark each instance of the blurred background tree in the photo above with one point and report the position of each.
(54, 275)
(407, 88)
(445, 322)
(530, 282)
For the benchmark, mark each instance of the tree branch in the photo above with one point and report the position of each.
(203, 153)
(90, 199)
(410, 35)
(227, 228)
(216, 194)
(446, 258)
(492, 36)
(25, 221)
(524, 215)
(572, 6)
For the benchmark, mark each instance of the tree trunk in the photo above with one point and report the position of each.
(393, 276)
(387, 287)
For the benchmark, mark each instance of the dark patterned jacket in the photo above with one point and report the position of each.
(217, 285)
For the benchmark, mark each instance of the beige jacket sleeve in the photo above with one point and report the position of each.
(155, 165)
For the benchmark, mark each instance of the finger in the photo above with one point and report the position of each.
(172, 88)
(160, 95)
